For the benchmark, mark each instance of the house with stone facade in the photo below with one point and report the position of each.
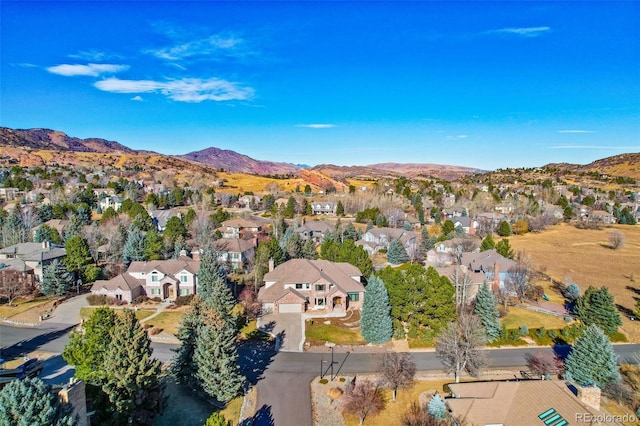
(299, 285)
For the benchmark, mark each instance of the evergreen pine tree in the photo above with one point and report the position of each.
(217, 419)
(133, 247)
(426, 243)
(179, 246)
(152, 245)
(487, 310)
(132, 376)
(504, 248)
(294, 246)
(487, 243)
(436, 407)
(31, 402)
(597, 306)
(375, 321)
(212, 286)
(340, 209)
(290, 209)
(87, 349)
(183, 367)
(309, 250)
(592, 359)
(396, 254)
(504, 230)
(56, 280)
(216, 359)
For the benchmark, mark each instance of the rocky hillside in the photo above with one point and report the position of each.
(437, 170)
(233, 162)
(46, 139)
(627, 165)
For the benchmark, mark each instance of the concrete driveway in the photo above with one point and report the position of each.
(68, 312)
(287, 328)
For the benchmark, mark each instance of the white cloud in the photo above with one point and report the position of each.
(316, 126)
(462, 136)
(215, 47)
(523, 31)
(93, 70)
(576, 131)
(184, 90)
(95, 55)
(137, 98)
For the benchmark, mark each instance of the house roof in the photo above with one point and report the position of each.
(233, 245)
(169, 266)
(122, 281)
(516, 402)
(393, 234)
(310, 271)
(14, 265)
(34, 252)
(486, 260)
(241, 223)
(315, 226)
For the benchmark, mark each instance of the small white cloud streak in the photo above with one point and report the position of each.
(316, 126)
(631, 148)
(137, 99)
(92, 70)
(524, 31)
(95, 55)
(576, 131)
(185, 90)
(213, 48)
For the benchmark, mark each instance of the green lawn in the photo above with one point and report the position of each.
(251, 332)
(520, 316)
(167, 321)
(141, 314)
(22, 305)
(320, 333)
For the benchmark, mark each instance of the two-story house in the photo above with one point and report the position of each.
(323, 207)
(376, 239)
(301, 284)
(113, 201)
(493, 265)
(166, 279)
(35, 255)
(314, 230)
(235, 251)
(240, 228)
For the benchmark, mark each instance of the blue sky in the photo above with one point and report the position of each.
(481, 84)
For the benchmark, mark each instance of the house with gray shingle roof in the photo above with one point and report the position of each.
(301, 284)
(35, 255)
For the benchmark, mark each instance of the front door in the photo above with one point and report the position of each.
(172, 292)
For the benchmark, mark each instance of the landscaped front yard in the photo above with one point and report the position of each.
(518, 317)
(341, 331)
(168, 321)
(23, 305)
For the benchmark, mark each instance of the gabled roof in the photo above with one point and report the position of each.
(486, 260)
(310, 271)
(241, 223)
(315, 226)
(34, 252)
(233, 245)
(516, 402)
(14, 265)
(169, 266)
(122, 281)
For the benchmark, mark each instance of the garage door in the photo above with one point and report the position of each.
(289, 308)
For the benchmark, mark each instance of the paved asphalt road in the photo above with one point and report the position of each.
(284, 376)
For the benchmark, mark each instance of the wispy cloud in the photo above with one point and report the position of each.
(93, 70)
(216, 47)
(457, 137)
(137, 98)
(576, 131)
(630, 148)
(317, 125)
(522, 31)
(185, 90)
(95, 55)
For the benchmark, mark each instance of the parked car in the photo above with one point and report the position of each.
(31, 368)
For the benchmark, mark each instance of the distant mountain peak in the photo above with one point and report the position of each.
(234, 162)
(48, 139)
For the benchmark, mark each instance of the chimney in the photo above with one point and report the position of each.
(271, 265)
(74, 394)
(589, 395)
(183, 252)
(496, 278)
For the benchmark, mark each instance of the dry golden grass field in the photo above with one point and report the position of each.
(584, 255)
(241, 182)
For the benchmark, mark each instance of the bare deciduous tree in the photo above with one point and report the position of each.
(544, 362)
(616, 240)
(459, 346)
(364, 399)
(12, 285)
(518, 281)
(398, 370)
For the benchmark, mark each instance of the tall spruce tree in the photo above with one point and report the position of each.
(426, 243)
(134, 246)
(132, 376)
(183, 367)
(396, 254)
(487, 310)
(375, 321)
(216, 358)
(488, 243)
(30, 402)
(340, 209)
(87, 348)
(309, 250)
(592, 359)
(212, 285)
(56, 280)
(597, 306)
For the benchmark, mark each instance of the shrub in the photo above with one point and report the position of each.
(342, 379)
(140, 299)
(524, 330)
(154, 330)
(97, 299)
(156, 299)
(146, 326)
(324, 381)
(568, 319)
(184, 300)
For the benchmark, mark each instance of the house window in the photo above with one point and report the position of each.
(184, 292)
(354, 297)
(183, 278)
(235, 256)
(154, 277)
(320, 301)
(307, 286)
(298, 286)
(155, 292)
(320, 287)
(118, 297)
